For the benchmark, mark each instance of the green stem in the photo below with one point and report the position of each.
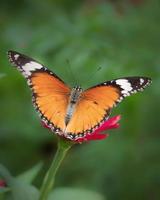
(48, 182)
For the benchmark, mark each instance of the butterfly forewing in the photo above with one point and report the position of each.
(50, 93)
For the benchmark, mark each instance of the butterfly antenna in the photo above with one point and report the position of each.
(73, 77)
(93, 74)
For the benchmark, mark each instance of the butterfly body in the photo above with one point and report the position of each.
(74, 112)
(73, 99)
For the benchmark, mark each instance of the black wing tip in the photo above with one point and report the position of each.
(12, 56)
(11, 52)
(137, 79)
(142, 81)
(18, 59)
(148, 80)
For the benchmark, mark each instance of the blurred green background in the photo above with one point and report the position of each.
(74, 39)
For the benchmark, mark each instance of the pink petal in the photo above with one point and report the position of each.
(96, 135)
(92, 137)
(44, 125)
(109, 124)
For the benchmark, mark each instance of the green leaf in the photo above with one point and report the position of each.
(74, 193)
(29, 175)
(4, 174)
(19, 190)
(22, 191)
(2, 197)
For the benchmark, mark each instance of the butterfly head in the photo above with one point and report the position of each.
(75, 94)
(77, 88)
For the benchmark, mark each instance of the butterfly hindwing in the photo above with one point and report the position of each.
(96, 103)
(50, 93)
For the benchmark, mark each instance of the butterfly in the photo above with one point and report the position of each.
(73, 112)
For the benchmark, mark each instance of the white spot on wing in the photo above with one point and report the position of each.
(16, 56)
(141, 81)
(125, 85)
(30, 67)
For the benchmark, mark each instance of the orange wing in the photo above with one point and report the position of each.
(95, 103)
(92, 109)
(50, 93)
(50, 97)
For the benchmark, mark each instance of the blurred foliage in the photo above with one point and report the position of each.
(72, 194)
(75, 39)
(18, 188)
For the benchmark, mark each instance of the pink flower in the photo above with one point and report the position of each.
(2, 183)
(97, 134)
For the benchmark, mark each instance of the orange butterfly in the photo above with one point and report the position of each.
(73, 113)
